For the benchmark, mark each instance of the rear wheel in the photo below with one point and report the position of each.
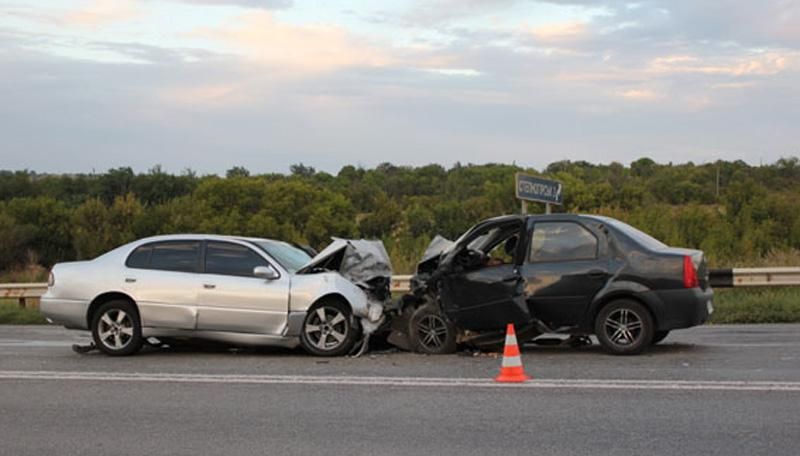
(116, 328)
(659, 336)
(624, 327)
(430, 332)
(328, 329)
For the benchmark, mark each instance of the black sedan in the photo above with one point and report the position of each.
(560, 273)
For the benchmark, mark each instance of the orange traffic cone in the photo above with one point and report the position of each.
(511, 371)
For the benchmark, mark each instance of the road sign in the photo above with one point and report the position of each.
(532, 188)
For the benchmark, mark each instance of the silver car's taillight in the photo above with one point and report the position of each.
(51, 279)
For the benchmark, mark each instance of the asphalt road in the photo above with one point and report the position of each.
(709, 390)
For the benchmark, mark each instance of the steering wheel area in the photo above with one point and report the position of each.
(471, 259)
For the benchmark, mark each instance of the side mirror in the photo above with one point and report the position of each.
(266, 272)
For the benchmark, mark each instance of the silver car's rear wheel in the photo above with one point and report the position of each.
(328, 329)
(116, 329)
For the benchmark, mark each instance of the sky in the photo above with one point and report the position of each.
(211, 84)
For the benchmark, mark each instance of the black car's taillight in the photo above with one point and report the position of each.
(689, 273)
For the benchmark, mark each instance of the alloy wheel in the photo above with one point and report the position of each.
(432, 331)
(623, 326)
(327, 328)
(115, 329)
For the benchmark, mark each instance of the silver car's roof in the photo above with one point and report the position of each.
(193, 236)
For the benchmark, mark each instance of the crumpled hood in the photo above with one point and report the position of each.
(357, 260)
(438, 245)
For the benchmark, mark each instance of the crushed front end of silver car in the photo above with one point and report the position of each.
(366, 264)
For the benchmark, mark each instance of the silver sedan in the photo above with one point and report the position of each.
(243, 291)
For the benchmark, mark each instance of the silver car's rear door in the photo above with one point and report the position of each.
(163, 278)
(232, 299)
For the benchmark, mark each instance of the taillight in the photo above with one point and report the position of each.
(51, 279)
(689, 273)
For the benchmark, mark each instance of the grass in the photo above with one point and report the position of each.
(29, 273)
(12, 314)
(756, 305)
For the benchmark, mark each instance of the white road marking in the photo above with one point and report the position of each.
(680, 385)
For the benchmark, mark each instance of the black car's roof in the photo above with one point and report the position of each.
(521, 217)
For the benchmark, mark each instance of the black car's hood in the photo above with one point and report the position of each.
(430, 259)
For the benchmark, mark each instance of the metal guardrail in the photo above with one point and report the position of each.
(29, 294)
(401, 284)
(755, 277)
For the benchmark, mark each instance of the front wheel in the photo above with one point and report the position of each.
(430, 332)
(116, 328)
(328, 329)
(624, 327)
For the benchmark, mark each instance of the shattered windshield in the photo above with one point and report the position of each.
(290, 257)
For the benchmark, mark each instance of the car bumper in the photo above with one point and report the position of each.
(70, 313)
(683, 308)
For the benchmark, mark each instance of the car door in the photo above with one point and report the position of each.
(233, 299)
(564, 269)
(486, 297)
(163, 278)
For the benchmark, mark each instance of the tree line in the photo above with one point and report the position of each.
(736, 212)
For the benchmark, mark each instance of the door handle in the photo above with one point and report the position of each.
(597, 273)
(130, 280)
(209, 286)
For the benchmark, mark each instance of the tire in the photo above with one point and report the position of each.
(329, 329)
(116, 328)
(431, 333)
(658, 336)
(624, 327)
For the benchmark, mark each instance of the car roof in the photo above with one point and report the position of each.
(209, 237)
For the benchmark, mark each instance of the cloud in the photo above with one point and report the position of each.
(264, 4)
(761, 64)
(560, 31)
(640, 95)
(666, 79)
(310, 48)
(102, 12)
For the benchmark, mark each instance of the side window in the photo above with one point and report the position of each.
(562, 241)
(182, 256)
(140, 257)
(231, 259)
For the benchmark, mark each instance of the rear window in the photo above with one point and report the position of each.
(638, 236)
(140, 257)
(181, 256)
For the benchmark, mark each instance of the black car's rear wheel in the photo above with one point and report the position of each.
(624, 327)
(116, 328)
(430, 332)
(328, 329)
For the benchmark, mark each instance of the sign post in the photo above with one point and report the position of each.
(533, 188)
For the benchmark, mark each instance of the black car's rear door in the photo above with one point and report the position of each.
(565, 266)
